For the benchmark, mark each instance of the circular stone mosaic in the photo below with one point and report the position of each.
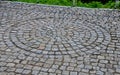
(58, 40)
(54, 38)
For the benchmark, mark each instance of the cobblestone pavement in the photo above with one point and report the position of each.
(53, 40)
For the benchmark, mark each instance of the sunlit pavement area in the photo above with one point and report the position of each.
(58, 40)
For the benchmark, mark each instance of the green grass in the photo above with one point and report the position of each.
(93, 4)
(49, 2)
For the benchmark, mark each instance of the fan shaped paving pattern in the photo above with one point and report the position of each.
(53, 40)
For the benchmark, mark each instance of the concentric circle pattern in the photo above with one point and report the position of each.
(56, 40)
(52, 38)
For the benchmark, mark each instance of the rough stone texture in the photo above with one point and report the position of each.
(54, 40)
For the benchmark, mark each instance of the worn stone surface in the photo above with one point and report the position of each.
(55, 40)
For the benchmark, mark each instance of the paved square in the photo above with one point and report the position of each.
(54, 40)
